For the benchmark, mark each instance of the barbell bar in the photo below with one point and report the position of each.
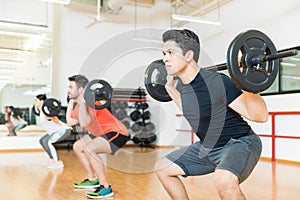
(280, 55)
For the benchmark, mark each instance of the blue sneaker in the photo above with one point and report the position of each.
(100, 192)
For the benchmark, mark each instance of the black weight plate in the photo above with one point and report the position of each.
(150, 126)
(155, 78)
(51, 107)
(252, 77)
(98, 94)
(135, 115)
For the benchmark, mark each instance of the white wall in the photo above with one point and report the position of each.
(74, 44)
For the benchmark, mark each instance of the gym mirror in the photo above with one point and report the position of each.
(25, 51)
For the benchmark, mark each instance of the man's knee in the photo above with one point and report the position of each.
(77, 146)
(225, 180)
(165, 167)
(81, 143)
(161, 168)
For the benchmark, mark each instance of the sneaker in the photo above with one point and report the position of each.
(100, 192)
(87, 184)
(56, 165)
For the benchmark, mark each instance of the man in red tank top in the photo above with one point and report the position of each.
(107, 135)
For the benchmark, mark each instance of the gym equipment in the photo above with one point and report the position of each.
(14, 112)
(51, 107)
(252, 62)
(150, 127)
(120, 114)
(143, 106)
(259, 61)
(137, 127)
(129, 93)
(122, 104)
(144, 138)
(126, 122)
(135, 115)
(98, 94)
(146, 115)
(155, 79)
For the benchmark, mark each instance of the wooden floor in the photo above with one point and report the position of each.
(130, 172)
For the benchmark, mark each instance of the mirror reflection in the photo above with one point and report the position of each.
(25, 56)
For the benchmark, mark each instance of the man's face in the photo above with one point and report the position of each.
(175, 61)
(73, 91)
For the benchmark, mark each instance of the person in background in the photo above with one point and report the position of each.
(56, 131)
(8, 123)
(14, 121)
(108, 135)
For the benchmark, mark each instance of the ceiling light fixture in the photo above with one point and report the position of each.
(18, 33)
(295, 59)
(7, 70)
(64, 2)
(11, 24)
(8, 50)
(291, 77)
(194, 19)
(5, 76)
(34, 42)
(195, 16)
(11, 62)
(288, 64)
(116, 4)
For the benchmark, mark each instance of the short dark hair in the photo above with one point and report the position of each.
(185, 39)
(80, 80)
(41, 97)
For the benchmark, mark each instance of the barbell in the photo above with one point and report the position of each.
(252, 63)
(51, 108)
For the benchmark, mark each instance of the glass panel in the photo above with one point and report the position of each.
(274, 87)
(290, 73)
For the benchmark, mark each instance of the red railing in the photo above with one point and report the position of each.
(273, 135)
(186, 130)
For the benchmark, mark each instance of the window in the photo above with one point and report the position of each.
(290, 73)
(288, 77)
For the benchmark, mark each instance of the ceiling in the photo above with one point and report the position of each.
(26, 48)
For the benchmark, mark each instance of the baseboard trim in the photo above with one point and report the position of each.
(21, 150)
(281, 161)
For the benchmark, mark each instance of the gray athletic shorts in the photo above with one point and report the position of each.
(238, 156)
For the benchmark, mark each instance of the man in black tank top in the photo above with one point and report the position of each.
(215, 108)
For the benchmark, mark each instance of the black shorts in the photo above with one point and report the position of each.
(238, 156)
(116, 140)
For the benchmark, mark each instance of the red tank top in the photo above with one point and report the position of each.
(102, 122)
